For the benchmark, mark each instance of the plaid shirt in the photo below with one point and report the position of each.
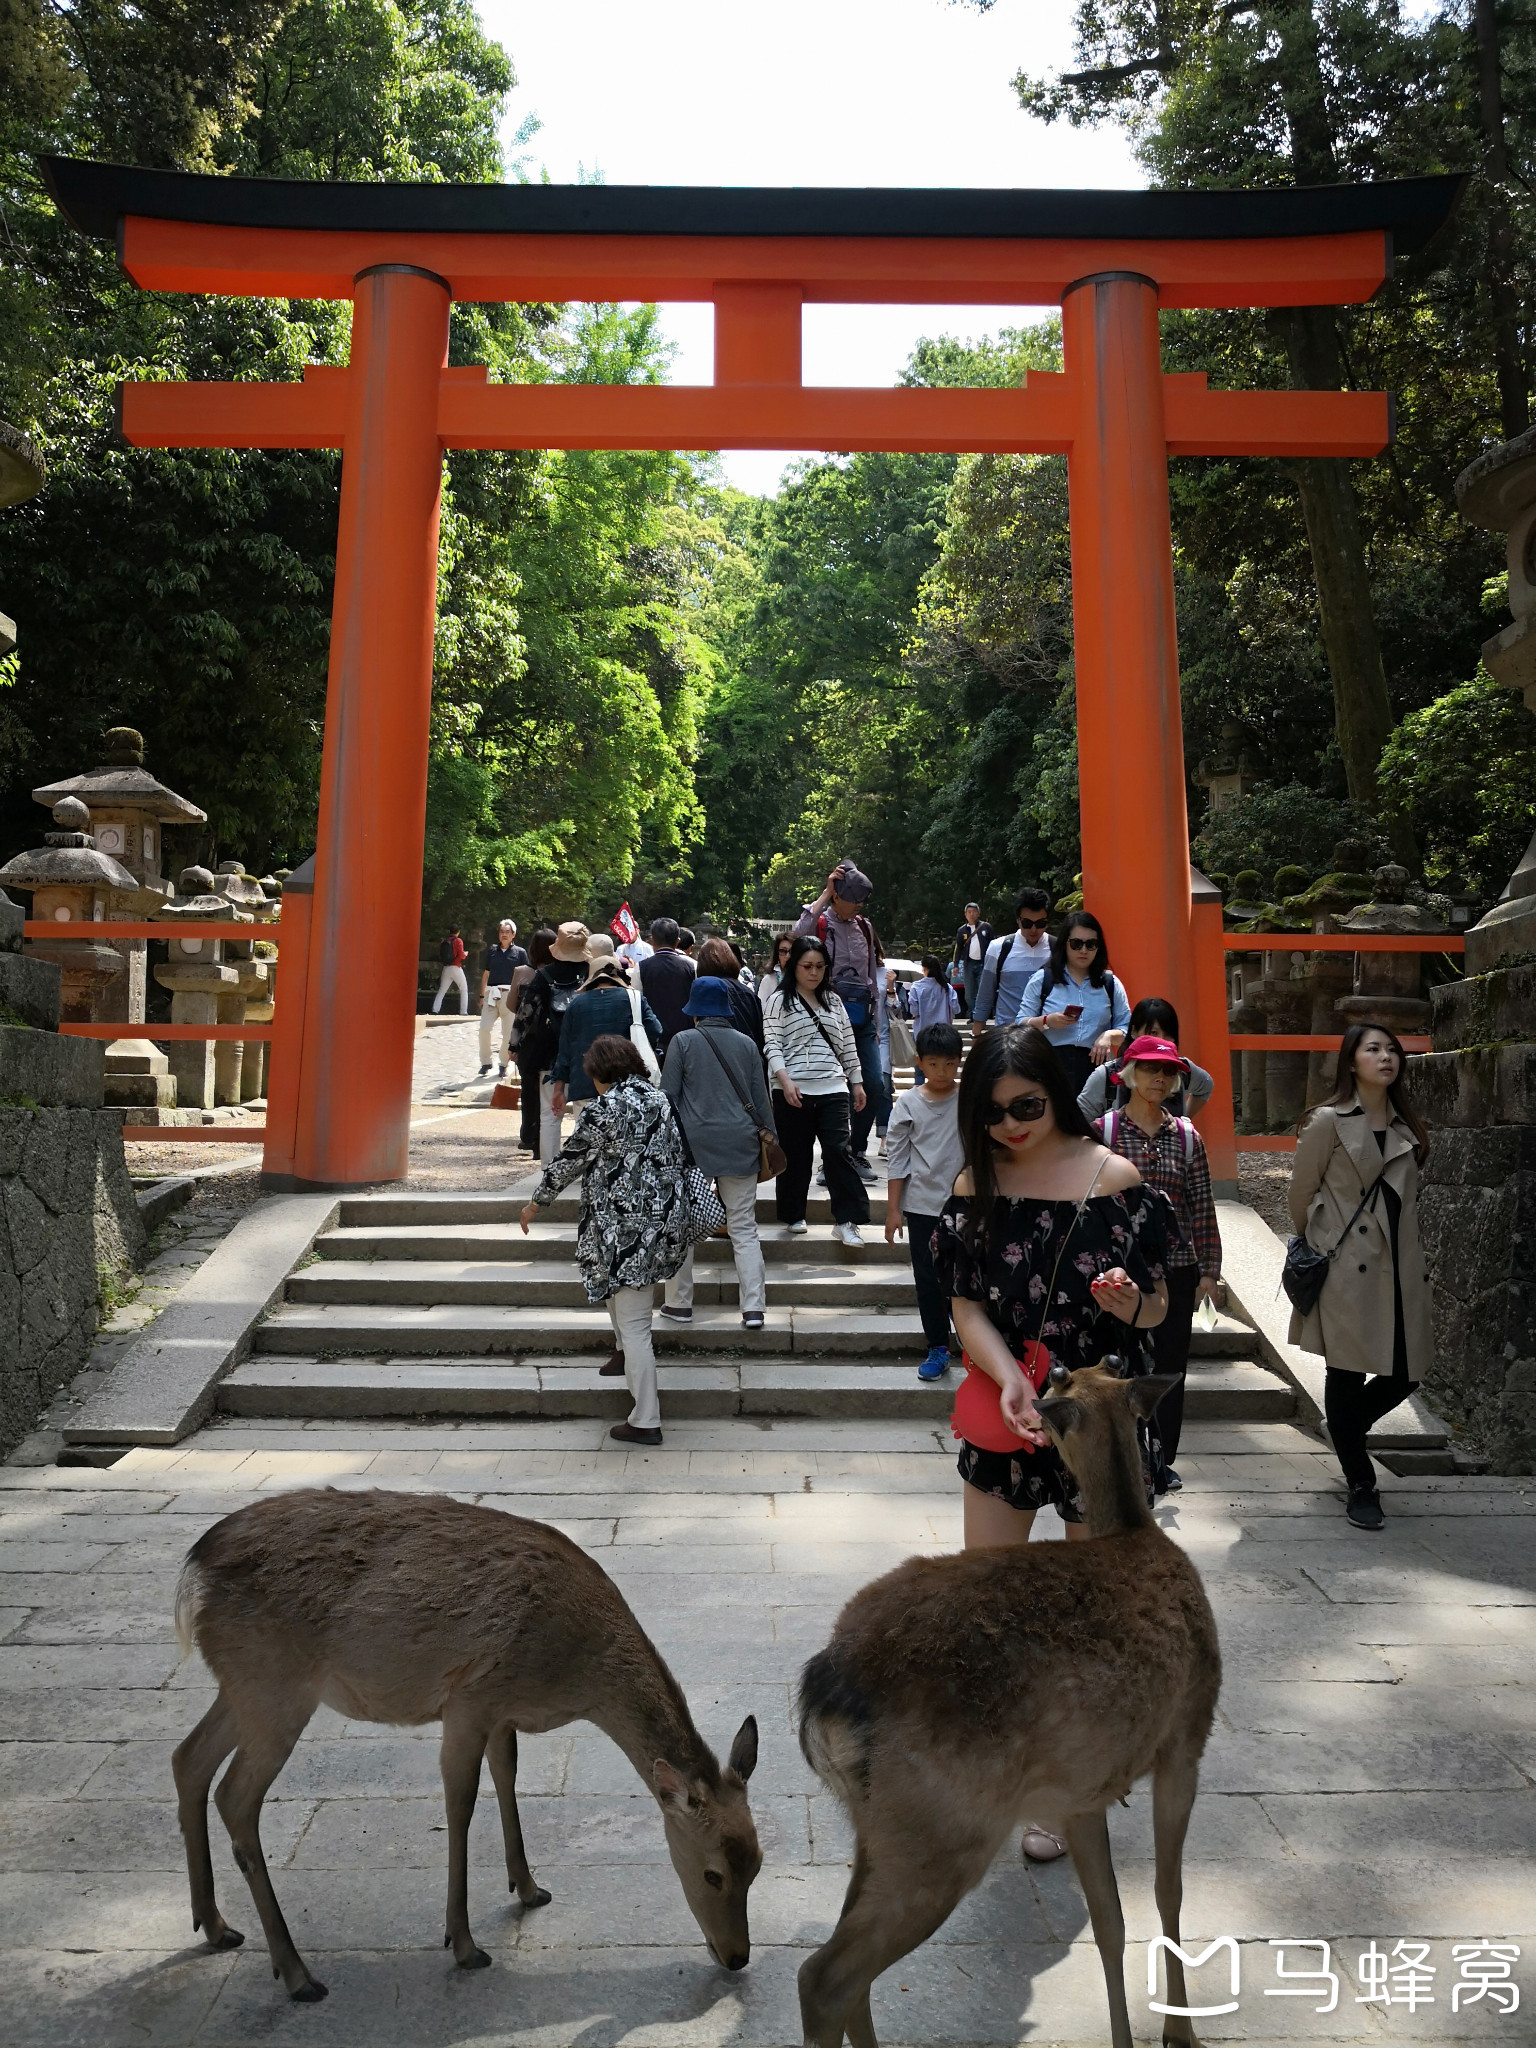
(1160, 1162)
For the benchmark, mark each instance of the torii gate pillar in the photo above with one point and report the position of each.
(1135, 829)
(354, 1109)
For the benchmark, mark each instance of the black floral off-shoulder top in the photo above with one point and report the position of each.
(1010, 1272)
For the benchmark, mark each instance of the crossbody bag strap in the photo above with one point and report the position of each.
(826, 1035)
(1045, 1306)
(725, 1068)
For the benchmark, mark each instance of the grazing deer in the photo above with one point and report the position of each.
(404, 1608)
(960, 1694)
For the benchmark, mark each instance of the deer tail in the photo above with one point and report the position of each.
(189, 1600)
(835, 1718)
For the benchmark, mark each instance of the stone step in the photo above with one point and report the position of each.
(312, 1388)
(324, 1329)
(506, 1242)
(556, 1283)
(370, 1211)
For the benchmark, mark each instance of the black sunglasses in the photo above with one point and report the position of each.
(1033, 924)
(1083, 945)
(1024, 1109)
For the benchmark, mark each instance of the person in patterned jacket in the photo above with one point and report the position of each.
(632, 1230)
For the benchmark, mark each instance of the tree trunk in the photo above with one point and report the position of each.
(1362, 707)
(1509, 357)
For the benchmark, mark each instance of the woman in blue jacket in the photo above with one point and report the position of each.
(606, 1005)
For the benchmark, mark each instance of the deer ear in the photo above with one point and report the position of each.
(671, 1786)
(743, 1757)
(1063, 1415)
(1144, 1394)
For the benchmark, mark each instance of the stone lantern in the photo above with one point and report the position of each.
(130, 808)
(71, 881)
(1231, 771)
(1389, 987)
(200, 981)
(240, 1068)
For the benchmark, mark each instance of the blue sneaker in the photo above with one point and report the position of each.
(936, 1364)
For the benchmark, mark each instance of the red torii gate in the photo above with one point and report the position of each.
(402, 253)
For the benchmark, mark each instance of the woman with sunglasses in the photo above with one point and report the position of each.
(772, 981)
(1050, 1250)
(1076, 1001)
(1167, 1152)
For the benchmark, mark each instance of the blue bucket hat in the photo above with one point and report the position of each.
(709, 997)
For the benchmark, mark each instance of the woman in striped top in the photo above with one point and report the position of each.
(813, 1065)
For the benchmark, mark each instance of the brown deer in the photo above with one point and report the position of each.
(959, 1695)
(405, 1609)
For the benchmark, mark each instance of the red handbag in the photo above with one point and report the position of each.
(978, 1411)
(978, 1416)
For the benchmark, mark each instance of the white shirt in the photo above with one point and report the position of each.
(975, 953)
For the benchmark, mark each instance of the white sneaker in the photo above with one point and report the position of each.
(847, 1233)
(797, 1229)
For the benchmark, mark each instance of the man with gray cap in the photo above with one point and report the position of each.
(837, 918)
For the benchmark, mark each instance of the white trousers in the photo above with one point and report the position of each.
(738, 1191)
(451, 977)
(494, 1007)
(550, 1125)
(629, 1311)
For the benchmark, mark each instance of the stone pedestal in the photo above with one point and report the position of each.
(1284, 997)
(196, 995)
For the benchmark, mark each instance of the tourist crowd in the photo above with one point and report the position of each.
(1049, 1177)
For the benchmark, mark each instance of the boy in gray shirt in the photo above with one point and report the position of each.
(923, 1158)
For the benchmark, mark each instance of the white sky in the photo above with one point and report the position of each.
(800, 92)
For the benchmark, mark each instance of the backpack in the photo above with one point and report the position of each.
(852, 992)
(536, 1024)
(445, 953)
(1186, 1133)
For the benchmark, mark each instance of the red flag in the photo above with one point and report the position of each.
(623, 925)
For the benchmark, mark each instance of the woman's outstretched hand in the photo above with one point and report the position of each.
(1016, 1398)
(1118, 1293)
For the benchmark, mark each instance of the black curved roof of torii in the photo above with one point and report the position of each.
(95, 197)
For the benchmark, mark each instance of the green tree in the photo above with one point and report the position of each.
(1266, 92)
(1463, 770)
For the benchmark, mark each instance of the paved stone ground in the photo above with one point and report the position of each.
(1370, 1777)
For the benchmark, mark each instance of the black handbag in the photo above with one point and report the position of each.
(1306, 1268)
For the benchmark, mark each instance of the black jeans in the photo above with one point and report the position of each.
(1078, 1061)
(528, 1109)
(932, 1302)
(1352, 1406)
(824, 1117)
(1170, 1352)
(866, 1040)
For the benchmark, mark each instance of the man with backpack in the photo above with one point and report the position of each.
(837, 919)
(1012, 959)
(450, 960)
(546, 997)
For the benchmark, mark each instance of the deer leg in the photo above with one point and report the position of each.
(1087, 1838)
(1174, 1783)
(463, 1748)
(883, 1919)
(193, 1764)
(240, 1793)
(501, 1755)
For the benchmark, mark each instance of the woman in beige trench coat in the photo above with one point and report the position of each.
(1373, 1315)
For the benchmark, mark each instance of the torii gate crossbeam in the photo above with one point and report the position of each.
(401, 254)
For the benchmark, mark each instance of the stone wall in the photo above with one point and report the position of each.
(1477, 1209)
(69, 1225)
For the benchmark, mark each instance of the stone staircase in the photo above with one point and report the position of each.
(438, 1305)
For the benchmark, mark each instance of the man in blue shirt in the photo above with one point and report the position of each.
(1012, 960)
